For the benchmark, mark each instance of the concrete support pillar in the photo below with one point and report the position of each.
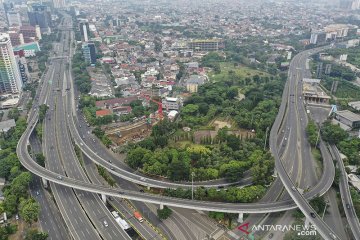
(103, 197)
(161, 206)
(240, 218)
(148, 187)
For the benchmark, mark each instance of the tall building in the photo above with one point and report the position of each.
(84, 30)
(13, 18)
(30, 33)
(16, 38)
(89, 52)
(318, 38)
(40, 15)
(59, 3)
(206, 45)
(10, 80)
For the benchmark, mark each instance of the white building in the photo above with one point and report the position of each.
(10, 80)
(171, 103)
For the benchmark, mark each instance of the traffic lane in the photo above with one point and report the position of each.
(146, 231)
(49, 218)
(91, 203)
(152, 217)
(346, 196)
(78, 227)
(298, 198)
(332, 216)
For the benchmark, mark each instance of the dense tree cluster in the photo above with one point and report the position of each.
(351, 148)
(17, 197)
(7, 230)
(257, 111)
(34, 234)
(81, 76)
(312, 133)
(42, 112)
(207, 162)
(356, 200)
(231, 194)
(164, 213)
(98, 132)
(333, 134)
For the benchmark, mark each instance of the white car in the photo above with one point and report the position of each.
(105, 223)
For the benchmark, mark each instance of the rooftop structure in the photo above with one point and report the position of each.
(103, 112)
(5, 126)
(348, 118)
(355, 105)
(312, 91)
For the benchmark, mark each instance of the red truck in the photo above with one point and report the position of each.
(138, 216)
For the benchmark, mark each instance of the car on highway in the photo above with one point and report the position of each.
(143, 179)
(312, 215)
(142, 190)
(37, 193)
(293, 188)
(348, 206)
(60, 177)
(332, 236)
(17, 217)
(112, 168)
(110, 161)
(105, 223)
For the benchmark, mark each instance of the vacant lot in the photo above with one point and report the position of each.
(241, 72)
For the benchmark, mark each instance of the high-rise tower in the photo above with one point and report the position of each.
(10, 80)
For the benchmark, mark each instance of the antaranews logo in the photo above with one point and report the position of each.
(244, 228)
(300, 229)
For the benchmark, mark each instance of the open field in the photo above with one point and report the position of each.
(241, 72)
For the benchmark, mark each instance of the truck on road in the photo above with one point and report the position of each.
(138, 216)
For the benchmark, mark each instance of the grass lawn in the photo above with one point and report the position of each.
(240, 71)
(317, 156)
(180, 144)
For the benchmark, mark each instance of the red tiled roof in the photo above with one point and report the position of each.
(103, 112)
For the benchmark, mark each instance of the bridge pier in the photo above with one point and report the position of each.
(103, 197)
(148, 187)
(161, 206)
(240, 218)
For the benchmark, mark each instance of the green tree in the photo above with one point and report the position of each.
(135, 157)
(179, 168)
(333, 133)
(164, 213)
(34, 234)
(40, 159)
(14, 114)
(10, 204)
(98, 132)
(312, 132)
(233, 171)
(29, 210)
